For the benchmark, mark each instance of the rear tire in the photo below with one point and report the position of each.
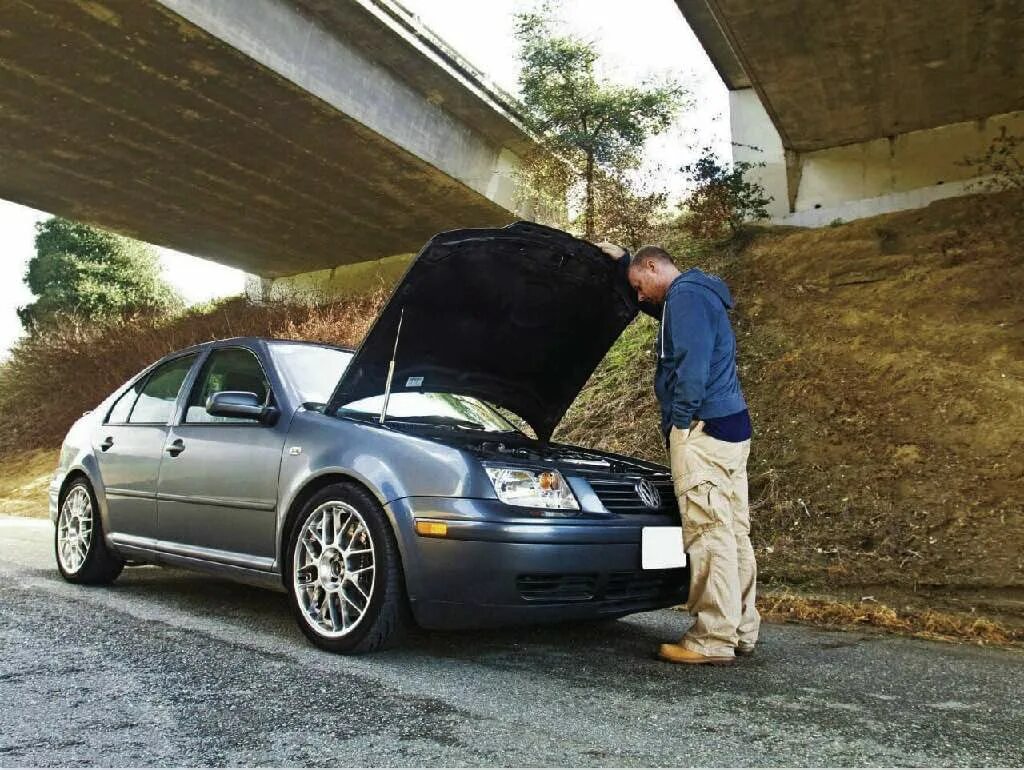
(79, 545)
(343, 573)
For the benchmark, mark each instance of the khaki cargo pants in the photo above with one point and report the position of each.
(710, 479)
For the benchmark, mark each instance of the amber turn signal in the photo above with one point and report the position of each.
(432, 528)
(548, 480)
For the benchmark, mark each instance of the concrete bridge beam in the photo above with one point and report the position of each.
(277, 136)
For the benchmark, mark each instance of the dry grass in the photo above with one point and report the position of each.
(24, 481)
(51, 378)
(925, 624)
(883, 361)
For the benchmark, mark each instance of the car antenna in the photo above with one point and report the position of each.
(391, 370)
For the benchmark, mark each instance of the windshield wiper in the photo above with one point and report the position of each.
(446, 422)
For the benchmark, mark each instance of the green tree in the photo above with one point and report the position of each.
(591, 124)
(91, 274)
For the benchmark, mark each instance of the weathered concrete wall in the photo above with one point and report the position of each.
(902, 164)
(341, 281)
(864, 179)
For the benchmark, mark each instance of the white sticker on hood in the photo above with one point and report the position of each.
(414, 382)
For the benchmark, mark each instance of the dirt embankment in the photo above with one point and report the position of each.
(884, 365)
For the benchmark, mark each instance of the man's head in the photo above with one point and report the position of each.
(651, 272)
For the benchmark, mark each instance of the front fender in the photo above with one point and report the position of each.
(76, 456)
(389, 463)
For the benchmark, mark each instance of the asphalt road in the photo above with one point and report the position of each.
(171, 668)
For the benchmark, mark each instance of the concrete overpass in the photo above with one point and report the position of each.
(868, 105)
(277, 136)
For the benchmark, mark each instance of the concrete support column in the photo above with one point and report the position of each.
(755, 140)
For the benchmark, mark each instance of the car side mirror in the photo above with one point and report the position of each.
(239, 403)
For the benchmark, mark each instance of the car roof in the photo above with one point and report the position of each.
(248, 341)
(287, 341)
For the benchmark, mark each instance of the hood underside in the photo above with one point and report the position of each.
(518, 317)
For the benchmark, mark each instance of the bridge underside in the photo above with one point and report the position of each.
(835, 74)
(125, 115)
(866, 101)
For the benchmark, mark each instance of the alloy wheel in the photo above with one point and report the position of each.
(74, 529)
(334, 569)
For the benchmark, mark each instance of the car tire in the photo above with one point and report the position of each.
(346, 600)
(78, 539)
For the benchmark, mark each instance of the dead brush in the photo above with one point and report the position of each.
(926, 624)
(53, 376)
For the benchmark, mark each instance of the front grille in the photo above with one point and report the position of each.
(557, 588)
(618, 494)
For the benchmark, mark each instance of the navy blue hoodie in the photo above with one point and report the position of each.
(696, 376)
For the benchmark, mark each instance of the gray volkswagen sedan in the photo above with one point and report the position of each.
(412, 481)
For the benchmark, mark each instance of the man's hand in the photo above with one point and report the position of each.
(681, 433)
(612, 250)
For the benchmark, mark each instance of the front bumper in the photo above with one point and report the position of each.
(493, 569)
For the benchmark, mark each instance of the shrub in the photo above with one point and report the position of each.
(722, 198)
(1001, 166)
(53, 376)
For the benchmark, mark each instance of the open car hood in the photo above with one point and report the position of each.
(518, 317)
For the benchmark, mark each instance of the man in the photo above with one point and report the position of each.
(707, 428)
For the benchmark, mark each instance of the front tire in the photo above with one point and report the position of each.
(81, 550)
(343, 573)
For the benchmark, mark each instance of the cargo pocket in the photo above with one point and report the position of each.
(705, 506)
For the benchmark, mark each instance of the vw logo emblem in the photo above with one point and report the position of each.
(648, 494)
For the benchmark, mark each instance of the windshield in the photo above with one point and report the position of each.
(449, 409)
(311, 369)
(314, 372)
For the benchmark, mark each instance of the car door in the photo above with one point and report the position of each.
(217, 493)
(129, 446)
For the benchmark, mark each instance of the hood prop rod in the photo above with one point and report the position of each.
(391, 370)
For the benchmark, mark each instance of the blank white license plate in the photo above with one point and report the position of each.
(662, 548)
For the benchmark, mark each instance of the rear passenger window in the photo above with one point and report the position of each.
(156, 401)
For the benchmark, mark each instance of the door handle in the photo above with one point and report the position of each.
(176, 447)
(107, 443)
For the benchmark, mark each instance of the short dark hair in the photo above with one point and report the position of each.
(651, 252)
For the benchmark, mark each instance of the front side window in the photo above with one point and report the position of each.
(156, 400)
(235, 369)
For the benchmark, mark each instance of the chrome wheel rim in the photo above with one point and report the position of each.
(74, 529)
(333, 569)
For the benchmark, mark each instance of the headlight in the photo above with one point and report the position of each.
(533, 489)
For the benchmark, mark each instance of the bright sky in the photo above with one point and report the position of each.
(637, 39)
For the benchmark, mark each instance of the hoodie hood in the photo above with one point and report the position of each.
(712, 283)
(518, 317)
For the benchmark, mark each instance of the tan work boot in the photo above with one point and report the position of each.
(676, 653)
